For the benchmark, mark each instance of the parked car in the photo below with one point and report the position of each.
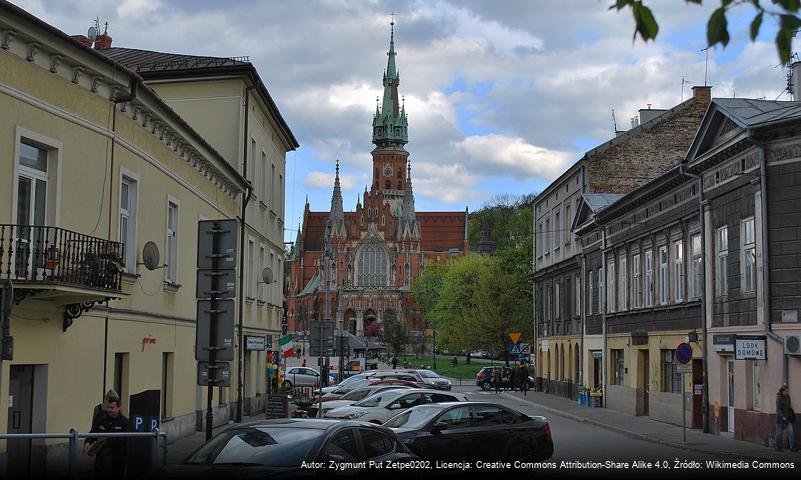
(281, 445)
(484, 379)
(473, 430)
(380, 407)
(347, 381)
(337, 394)
(354, 396)
(479, 354)
(301, 377)
(432, 379)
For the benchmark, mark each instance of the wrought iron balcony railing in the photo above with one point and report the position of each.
(51, 255)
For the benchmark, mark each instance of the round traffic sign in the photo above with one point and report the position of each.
(684, 353)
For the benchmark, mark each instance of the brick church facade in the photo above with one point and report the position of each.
(376, 251)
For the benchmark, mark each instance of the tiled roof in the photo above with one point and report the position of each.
(753, 113)
(599, 201)
(142, 61)
(310, 287)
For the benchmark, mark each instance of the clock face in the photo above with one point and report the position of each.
(387, 170)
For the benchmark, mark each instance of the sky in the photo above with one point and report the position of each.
(502, 96)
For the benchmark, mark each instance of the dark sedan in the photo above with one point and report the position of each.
(473, 430)
(292, 446)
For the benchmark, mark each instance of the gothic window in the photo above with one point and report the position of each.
(361, 220)
(389, 185)
(383, 220)
(400, 173)
(407, 273)
(399, 185)
(371, 265)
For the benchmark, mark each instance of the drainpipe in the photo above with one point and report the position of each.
(240, 364)
(705, 373)
(602, 307)
(763, 188)
(583, 316)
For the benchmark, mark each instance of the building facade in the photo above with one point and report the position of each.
(568, 308)
(370, 256)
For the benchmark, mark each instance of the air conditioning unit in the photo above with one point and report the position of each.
(792, 345)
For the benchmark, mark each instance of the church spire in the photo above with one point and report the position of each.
(389, 124)
(337, 215)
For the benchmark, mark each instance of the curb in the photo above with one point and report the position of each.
(637, 435)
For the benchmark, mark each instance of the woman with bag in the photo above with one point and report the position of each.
(785, 417)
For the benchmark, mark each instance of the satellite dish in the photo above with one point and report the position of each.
(92, 33)
(150, 256)
(267, 275)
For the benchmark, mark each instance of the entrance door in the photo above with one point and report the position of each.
(645, 380)
(20, 419)
(730, 401)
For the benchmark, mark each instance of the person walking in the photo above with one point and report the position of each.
(304, 363)
(496, 379)
(785, 417)
(513, 379)
(111, 454)
(394, 362)
(522, 377)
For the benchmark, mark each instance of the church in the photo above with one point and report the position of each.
(371, 255)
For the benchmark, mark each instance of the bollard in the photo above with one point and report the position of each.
(73, 455)
(154, 450)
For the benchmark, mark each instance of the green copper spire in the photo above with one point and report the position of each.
(390, 128)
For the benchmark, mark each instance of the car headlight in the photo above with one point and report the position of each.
(355, 415)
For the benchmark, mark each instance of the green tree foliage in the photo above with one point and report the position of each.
(395, 334)
(785, 12)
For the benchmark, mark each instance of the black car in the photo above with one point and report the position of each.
(484, 378)
(473, 431)
(281, 446)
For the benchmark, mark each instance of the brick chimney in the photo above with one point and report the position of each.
(702, 95)
(102, 41)
(83, 39)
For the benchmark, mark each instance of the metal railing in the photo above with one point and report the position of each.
(33, 253)
(157, 457)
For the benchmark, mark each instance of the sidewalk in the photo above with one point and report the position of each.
(644, 428)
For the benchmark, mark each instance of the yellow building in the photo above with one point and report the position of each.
(94, 164)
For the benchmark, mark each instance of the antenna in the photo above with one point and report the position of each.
(706, 64)
(683, 82)
(150, 256)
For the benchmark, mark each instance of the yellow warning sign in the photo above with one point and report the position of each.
(515, 336)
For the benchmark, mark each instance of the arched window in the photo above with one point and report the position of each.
(399, 185)
(371, 265)
(389, 185)
(400, 173)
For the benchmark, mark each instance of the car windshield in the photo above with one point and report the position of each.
(357, 394)
(271, 447)
(373, 400)
(349, 388)
(428, 374)
(414, 417)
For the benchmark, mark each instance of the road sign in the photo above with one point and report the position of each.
(226, 233)
(220, 376)
(514, 348)
(525, 348)
(224, 333)
(684, 353)
(684, 368)
(226, 283)
(6, 340)
(515, 337)
(314, 338)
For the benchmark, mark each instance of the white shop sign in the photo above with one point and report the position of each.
(750, 347)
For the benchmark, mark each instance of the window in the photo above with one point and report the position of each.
(590, 295)
(636, 282)
(274, 193)
(663, 276)
(487, 415)
(342, 445)
(622, 301)
(127, 233)
(252, 164)
(271, 288)
(261, 269)
(121, 375)
(671, 379)
(250, 271)
(577, 309)
(695, 275)
(556, 230)
(600, 290)
(649, 278)
(33, 203)
(556, 304)
(756, 387)
(568, 223)
(166, 384)
(458, 417)
(540, 243)
(171, 271)
(748, 271)
(548, 234)
(618, 368)
(372, 265)
(610, 287)
(264, 181)
(375, 444)
(280, 196)
(721, 257)
(678, 270)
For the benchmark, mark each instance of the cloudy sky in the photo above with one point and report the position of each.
(501, 95)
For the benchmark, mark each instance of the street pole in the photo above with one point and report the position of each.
(434, 348)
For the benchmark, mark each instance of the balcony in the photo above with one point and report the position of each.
(66, 268)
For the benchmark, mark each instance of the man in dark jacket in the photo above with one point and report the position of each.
(783, 418)
(522, 377)
(111, 454)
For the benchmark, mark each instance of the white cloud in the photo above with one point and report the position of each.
(325, 180)
(504, 155)
(137, 8)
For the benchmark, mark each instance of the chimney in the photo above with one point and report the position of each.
(795, 79)
(83, 39)
(648, 114)
(102, 42)
(702, 95)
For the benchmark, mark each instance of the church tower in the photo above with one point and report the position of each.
(390, 134)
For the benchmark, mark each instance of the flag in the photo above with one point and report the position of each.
(286, 345)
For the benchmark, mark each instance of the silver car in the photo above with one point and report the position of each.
(380, 407)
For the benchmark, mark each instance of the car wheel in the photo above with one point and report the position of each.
(287, 385)
(520, 451)
(485, 386)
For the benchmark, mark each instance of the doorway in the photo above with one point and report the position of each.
(644, 381)
(27, 394)
(730, 400)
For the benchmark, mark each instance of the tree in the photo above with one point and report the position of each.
(395, 334)
(717, 28)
